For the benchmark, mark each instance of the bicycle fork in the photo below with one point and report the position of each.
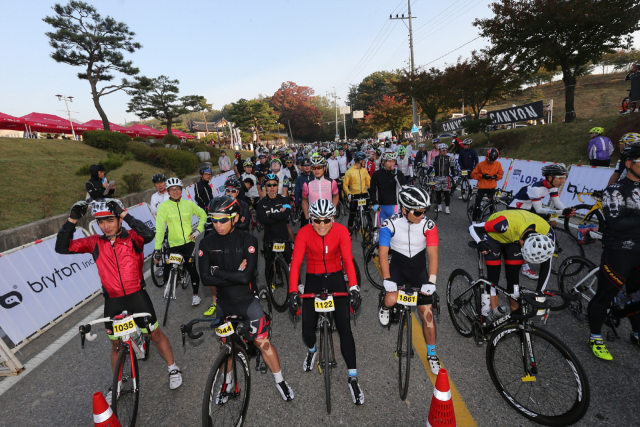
(528, 362)
(324, 322)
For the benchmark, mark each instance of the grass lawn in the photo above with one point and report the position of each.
(38, 177)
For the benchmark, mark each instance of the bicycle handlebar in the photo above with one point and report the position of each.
(335, 294)
(86, 329)
(531, 300)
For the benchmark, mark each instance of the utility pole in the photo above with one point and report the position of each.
(335, 103)
(416, 135)
(69, 99)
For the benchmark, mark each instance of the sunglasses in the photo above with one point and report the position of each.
(222, 220)
(323, 221)
(306, 166)
(418, 213)
(317, 168)
(231, 190)
(271, 185)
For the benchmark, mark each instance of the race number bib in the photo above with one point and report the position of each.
(406, 299)
(325, 305)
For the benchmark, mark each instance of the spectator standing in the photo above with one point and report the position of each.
(224, 162)
(634, 95)
(600, 148)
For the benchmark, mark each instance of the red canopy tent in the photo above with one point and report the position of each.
(178, 133)
(10, 122)
(144, 131)
(112, 126)
(50, 123)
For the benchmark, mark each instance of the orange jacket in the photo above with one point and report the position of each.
(485, 167)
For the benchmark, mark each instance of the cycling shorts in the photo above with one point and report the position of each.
(386, 211)
(137, 302)
(250, 310)
(410, 274)
(443, 183)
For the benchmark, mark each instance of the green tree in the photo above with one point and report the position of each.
(565, 33)
(625, 58)
(85, 39)
(196, 104)
(372, 89)
(327, 116)
(253, 115)
(390, 113)
(158, 98)
(540, 77)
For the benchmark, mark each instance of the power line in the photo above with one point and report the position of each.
(448, 21)
(450, 52)
(427, 23)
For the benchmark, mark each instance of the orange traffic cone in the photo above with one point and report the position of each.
(103, 416)
(441, 412)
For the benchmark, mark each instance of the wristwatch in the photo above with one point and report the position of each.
(355, 288)
(213, 269)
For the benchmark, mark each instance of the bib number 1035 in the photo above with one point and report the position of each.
(123, 327)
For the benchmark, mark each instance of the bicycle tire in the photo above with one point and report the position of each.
(470, 206)
(462, 311)
(124, 399)
(172, 278)
(221, 414)
(490, 209)
(465, 190)
(566, 246)
(435, 207)
(185, 278)
(372, 268)
(327, 367)
(545, 392)
(585, 291)
(279, 292)
(155, 279)
(589, 217)
(404, 326)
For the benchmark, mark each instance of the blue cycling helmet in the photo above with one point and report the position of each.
(271, 177)
(360, 155)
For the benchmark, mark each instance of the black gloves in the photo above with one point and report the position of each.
(494, 177)
(483, 246)
(354, 297)
(294, 303)
(78, 210)
(157, 254)
(567, 211)
(114, 207)
(485, 176)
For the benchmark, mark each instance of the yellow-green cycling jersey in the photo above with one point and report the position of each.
(177, 216)
(507, 226)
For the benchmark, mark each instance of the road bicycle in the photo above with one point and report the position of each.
(225, 403)
(407, 298)
(363, 223)
(177, 275)
(255, 224)
(533, 370)
(296, 213)
(133, 345)
(488, 205)
(277, 276)
(593, 212)
(324, 305)
(465, 186)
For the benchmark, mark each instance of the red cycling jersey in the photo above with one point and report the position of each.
(325, 255)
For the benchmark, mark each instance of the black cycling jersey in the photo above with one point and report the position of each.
(421, 157)
(385, 186)
(271, 216)
(442, 165)
(621, 207)
(294, 172)
(244, 225)
(204, 194)
(227, 253)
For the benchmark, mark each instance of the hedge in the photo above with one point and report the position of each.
(171, 139)
(104, 140)
(139, 138)
(181, 162)
(157, 144)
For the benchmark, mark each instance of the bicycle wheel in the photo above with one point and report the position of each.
(403, 351)
(227, 408)
(278, 284)
(462, 302)
(326, 360)
(465, 190)
(490, 209)
(577, 276)
(589, 217)
(157, 269)
(471, 201)
(126, 387)
(372, 268)
(566, 246)
(172, 286)
(185, 278)
(551, 388)
(435, 207)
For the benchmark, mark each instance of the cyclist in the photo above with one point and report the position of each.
(530, 198)
(203, 188)
(304, 177)
(385, 185)
(233, 188)
(600, 148)
(237, 163)
(405, 163)
(161, 195)
(333, 166)
(283, 177)
(410, 237)
(514, 235)
(176, 214)
(433, 153)
(442, 166)
(620, 262)
(487, 173)
(421, 155)
(343, 161)
(273, 211)
(626, 140)
(370, 164)
(467, 158)
(356, 185)
(227, 261)
(293, 171)
(456, 145)
(252, 190)
(320, 187)
(119, 256)
(327, 246)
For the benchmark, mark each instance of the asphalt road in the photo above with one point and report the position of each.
(58, 391)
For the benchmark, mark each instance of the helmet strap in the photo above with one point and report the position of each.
(633, 172)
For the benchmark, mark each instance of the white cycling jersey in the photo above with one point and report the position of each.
(406, 238)
(156, 200)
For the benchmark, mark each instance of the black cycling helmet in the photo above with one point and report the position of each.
(632, 151)
(224, 205)
(159, 177)
(232, 182)
(204, 169)
(360, 156)
(379, 152)
(493, 154)
(554, 170)
(271, 177)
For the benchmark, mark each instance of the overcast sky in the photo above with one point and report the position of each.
(226, 50)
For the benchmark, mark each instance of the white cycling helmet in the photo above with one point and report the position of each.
(174, 182)
(322, 209)
(101, 210)
(412, 198)
(442, 146)
(389, 155)
(538, 248)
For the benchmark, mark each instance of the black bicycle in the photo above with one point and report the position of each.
(465, 186)
(489, 205)
(278, 275)
(177, 276)
(533, 370)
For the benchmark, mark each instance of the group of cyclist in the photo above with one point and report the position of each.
(312, 180)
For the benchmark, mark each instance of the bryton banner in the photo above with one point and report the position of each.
(505, 116)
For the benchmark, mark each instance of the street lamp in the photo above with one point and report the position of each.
(70, 99)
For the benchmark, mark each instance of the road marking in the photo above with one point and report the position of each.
(38, 359)
(463, 416)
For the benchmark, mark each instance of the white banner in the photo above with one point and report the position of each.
(217, 182)
(140, 212)
(523, 173)
(506, 164)
(584, 179)
(37, 285)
